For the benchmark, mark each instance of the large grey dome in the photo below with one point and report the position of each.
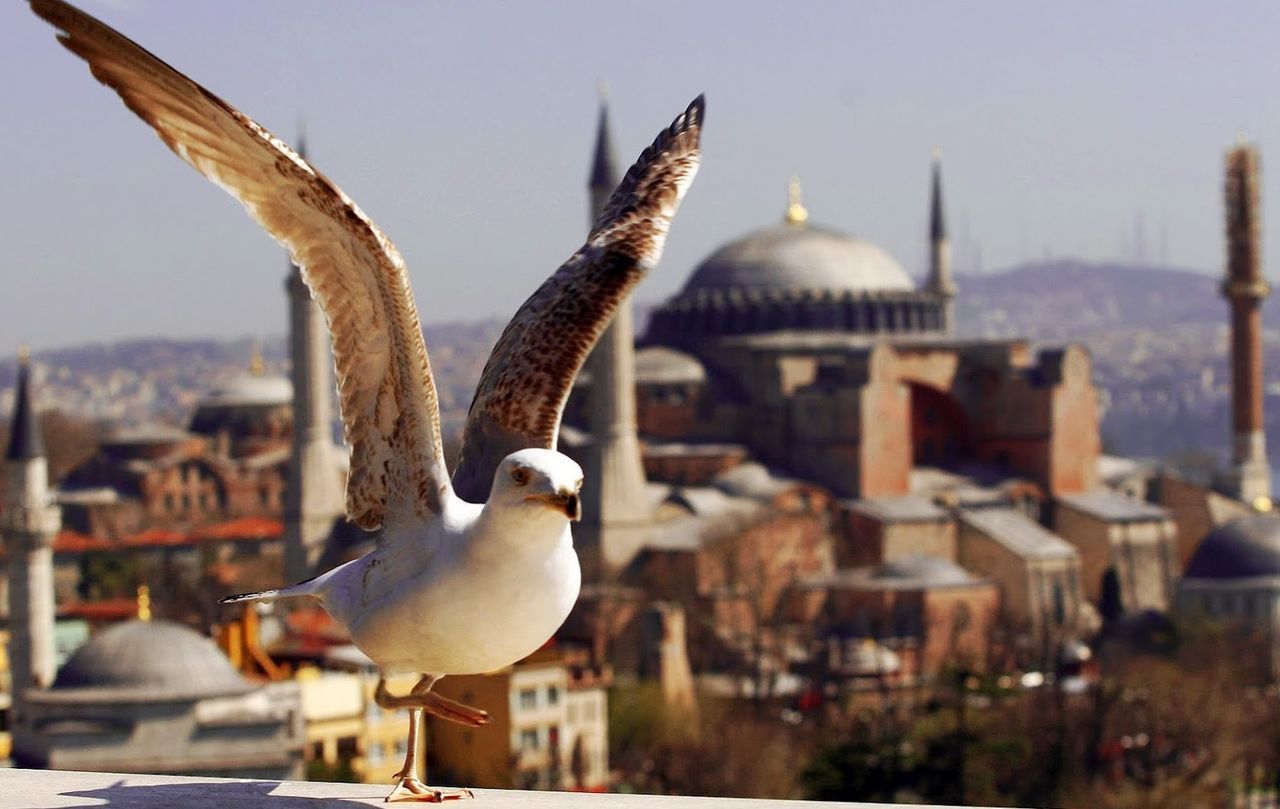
(149, 660)
(800, 257)
(1242, 548)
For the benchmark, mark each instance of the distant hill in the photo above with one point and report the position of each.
(1069, 298)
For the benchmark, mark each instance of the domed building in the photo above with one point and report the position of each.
(231, 462)
(796, 276)
(1234, 577)
(250, 414)
(154, 696)
(818, 352)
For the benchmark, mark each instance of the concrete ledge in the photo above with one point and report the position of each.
(52, 789)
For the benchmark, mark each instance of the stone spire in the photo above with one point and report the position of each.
(940, 279)
(604, 165)
(615, 509)
(313, 498)
(29, 524)
(1245, 287)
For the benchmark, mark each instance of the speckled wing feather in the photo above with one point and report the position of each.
(524, 385)
(389, 405)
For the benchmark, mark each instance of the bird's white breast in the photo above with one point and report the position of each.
(449, 604)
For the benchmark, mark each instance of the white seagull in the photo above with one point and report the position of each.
(468, 575)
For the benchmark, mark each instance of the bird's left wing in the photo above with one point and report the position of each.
(389, 405)
(524, 385)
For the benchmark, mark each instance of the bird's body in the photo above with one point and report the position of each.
(454, 586)
(424, 599)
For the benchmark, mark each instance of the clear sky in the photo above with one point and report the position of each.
(464, 129)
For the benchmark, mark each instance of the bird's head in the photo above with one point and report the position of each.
(539, 479)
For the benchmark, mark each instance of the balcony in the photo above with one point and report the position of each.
(50, 789)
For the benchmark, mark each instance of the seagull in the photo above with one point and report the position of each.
(472, 572)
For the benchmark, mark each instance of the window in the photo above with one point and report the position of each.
(376, 753)
(348, 748)
(1059, 604)
(528, 699)
(553, 695)
(529, 739)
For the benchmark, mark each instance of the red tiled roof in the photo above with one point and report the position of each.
(111, 609)
(238, 530)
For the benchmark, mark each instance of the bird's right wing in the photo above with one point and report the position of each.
(389, 406)
(524, 385)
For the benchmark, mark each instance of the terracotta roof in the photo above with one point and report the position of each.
(242, 529)
(111, 609)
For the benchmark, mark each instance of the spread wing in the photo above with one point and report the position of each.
(388, 399)
(523, 388)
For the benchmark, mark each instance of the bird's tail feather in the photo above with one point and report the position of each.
(305, 588)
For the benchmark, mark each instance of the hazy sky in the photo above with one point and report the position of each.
(465, 129)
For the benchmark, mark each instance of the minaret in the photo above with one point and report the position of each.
(615, 509)
(313, 498)
(30, 523)
(1245, 288)
(940, 279)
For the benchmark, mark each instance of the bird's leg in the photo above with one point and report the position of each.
(408, 786)
(421, 697)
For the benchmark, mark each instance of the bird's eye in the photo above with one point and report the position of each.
(520, 475)
(578, 486)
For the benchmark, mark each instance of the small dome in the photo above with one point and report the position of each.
(794, 257)
(1240, 549)
(660, 365)
(152, 661)
(249, 389)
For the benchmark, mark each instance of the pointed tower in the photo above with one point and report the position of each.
(940, 280)
(313, 498)
(30, 523)
(1244, 287)
(616, 514)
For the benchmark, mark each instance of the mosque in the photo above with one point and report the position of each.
(804, 394)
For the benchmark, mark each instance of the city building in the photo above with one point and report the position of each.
(928, 611)
(801, 376)
(548, 729)
(153, 696)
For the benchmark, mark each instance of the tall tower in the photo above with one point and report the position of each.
(30, 523)
(1245, 288)
(616, 513)
(940, 280)
(313, 499)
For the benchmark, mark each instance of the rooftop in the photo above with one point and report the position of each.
(903, 508)
(1111, 507)
(1018, 533)
(46, 789)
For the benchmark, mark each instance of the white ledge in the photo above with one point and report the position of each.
(53, 789)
